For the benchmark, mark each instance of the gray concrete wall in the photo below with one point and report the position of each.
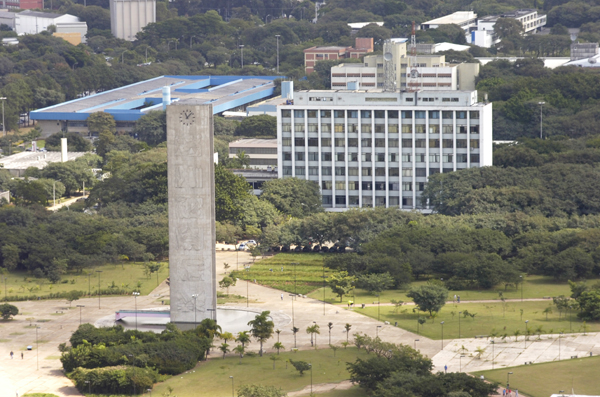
(191, 212)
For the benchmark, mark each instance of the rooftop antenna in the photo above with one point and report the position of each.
(389, 83)
(412, 82)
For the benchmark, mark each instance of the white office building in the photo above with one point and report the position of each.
(372, 148)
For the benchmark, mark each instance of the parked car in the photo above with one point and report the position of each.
(242, 247)
(251, 242)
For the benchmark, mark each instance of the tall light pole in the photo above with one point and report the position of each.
(135, 295)
(277, 36)
(442, 323)
(570, 320)
(460, 359)
(3, 127)
(508, 380)
(323, 283)
(5, 297)
(293, 319)
(459, 313)
(310, 365)
(90, 386)
(242, 48)
(80, 306)
(98, 271)
(416, 340)
(526, 332)
(559, 336)
(37, 346)
(248, 286)
(541, 119)
(191, 37)
(493, 353)
(232, 388)
(377, 331)
(378, 305)
(133, 370)
(522, 280)
(195, 296)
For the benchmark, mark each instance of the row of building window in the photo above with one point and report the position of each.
(379, 186)
(252, 150)
(380, 114)
(380, 142)
(379, 157)
(381, 171)
(367, 200)
(380, 128)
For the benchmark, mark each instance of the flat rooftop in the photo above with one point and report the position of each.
(131, 102)
(254, 142)
(24, 160)
(457, 17)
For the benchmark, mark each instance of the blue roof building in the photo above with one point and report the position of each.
(127, 104)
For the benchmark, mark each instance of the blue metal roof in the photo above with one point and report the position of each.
(131, 102)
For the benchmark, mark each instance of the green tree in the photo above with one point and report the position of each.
(278, 346)
(75, 142)
(261, 328)
(7, 311)
(224, 347)
(261, 125)
(227, 282)
(313, 330)
(152, 127)
(293, 196)
(226, 336)
(341, 283)
(301, 366)
(10, 256)
(429, 298)
(230, 191)
(239, 349)
(72, 296)
(506, 27)
(224, 126)
(589, 304)
(103, 125)
(375, 282)
(243, 338)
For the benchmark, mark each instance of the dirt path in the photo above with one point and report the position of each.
(321, 388)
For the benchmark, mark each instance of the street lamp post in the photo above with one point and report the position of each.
(570, 320)
(80, 306)
(378, 305)
(311, 391)
(149, 391)
(526, 331)
(133, 370)
(247, 285)
(323, 289)
(541, 119)
(442, 323)
(37, 347)
(195, 296)
(135, 295)
(5, 297)
(377, 331)
(3, 127)
(493, 353)
(191, 37)
(459, 313)
(232, 388)
(293, 320)
(559, 336)
(508, 380)
(416, 340)
(98, 271)
(277, 36)
(89, 284)
(211, 313)
(242, 49)
(460, 359)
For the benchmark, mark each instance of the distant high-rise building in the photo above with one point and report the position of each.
(128, 17)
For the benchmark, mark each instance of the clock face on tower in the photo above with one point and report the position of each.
(187, 117)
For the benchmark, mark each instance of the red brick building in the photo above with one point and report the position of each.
(23, 4)
(362, 46)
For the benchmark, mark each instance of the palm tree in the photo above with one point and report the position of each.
(539, 330)
(517, 333)
(313, 330)
(277, 331)
(347, 327)
(330, 325)
(547, 311)
(295, 331)
(243, 338)
(479, 351)
(278, 346)
(240, 349)
(224, 348)
(226, 336)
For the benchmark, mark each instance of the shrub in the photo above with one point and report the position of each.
(7, 311)
(114, 380)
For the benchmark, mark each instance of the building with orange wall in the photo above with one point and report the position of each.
(312, 55)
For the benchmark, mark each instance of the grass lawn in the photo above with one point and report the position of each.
(308, 272)
(355, 391)
(533, 287)
(128, 276)
(542, 380)
(211, 378)
(489, 316)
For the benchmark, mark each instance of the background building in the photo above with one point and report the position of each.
(127, 104)
(23, 4)
(33, 22)
(467, 20)
(312, 55)
(485, 36)
(583, 50)
(18, 163)
(374, 148)
(128, 17)
(434, 73)
(256, 178)
(262, 153)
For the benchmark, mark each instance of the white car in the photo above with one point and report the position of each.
(251, 242)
